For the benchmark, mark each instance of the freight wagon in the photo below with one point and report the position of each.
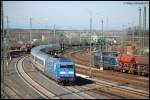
(133, 64)
(142, 64)
(122, 62)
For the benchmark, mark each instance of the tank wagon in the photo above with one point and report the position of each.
(133, 64)
(60, 69)
(122, 62)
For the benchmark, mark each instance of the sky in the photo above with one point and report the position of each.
(74, 14)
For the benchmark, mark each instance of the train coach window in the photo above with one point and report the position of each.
(66, 66)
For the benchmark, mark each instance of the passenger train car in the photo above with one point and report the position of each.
(60, 69)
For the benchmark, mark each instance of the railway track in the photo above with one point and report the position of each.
(77, 91)
(132, 80)
(111, 91)
(82, 91)
(15, 87)
(11, 93)
(33, 84)
(122, 90)
(81, 58)
(72, 90)
(116, 91)
(94, 90)
(128, 82)
(99, 87)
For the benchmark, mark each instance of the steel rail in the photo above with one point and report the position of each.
(75, 90)
(12, 90)
(30, 82)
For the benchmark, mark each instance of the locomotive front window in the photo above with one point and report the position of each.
(66, 66)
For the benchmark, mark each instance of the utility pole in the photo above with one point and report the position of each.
(123, 34)
(140, 18)
(7, 43)
(30, 30)
(133, 32)
(102, 47)
(107, 28)
(144, 25)
(102, 30)
(19, 36)
(80, 40)
(139, 35)
(3, 53)
(102, 36)
(107, 24)
(49, 35)
(144, 19)
(54, 35)
(90, 45)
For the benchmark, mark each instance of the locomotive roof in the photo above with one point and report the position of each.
(61, 59)
(64, 59)
(105, 53)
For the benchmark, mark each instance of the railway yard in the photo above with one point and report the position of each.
(71, 60)
(25, 77)
(109, 75)
(32, 83)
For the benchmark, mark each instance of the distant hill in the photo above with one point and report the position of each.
(28, 30)
(43, 30)
(58, 30)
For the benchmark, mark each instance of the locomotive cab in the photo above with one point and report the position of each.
(106, 59)
(66, 72)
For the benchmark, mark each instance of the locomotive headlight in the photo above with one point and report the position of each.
(115, 41)
(62, 72)
(147, 50)
(54, 66)
(70, 72)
